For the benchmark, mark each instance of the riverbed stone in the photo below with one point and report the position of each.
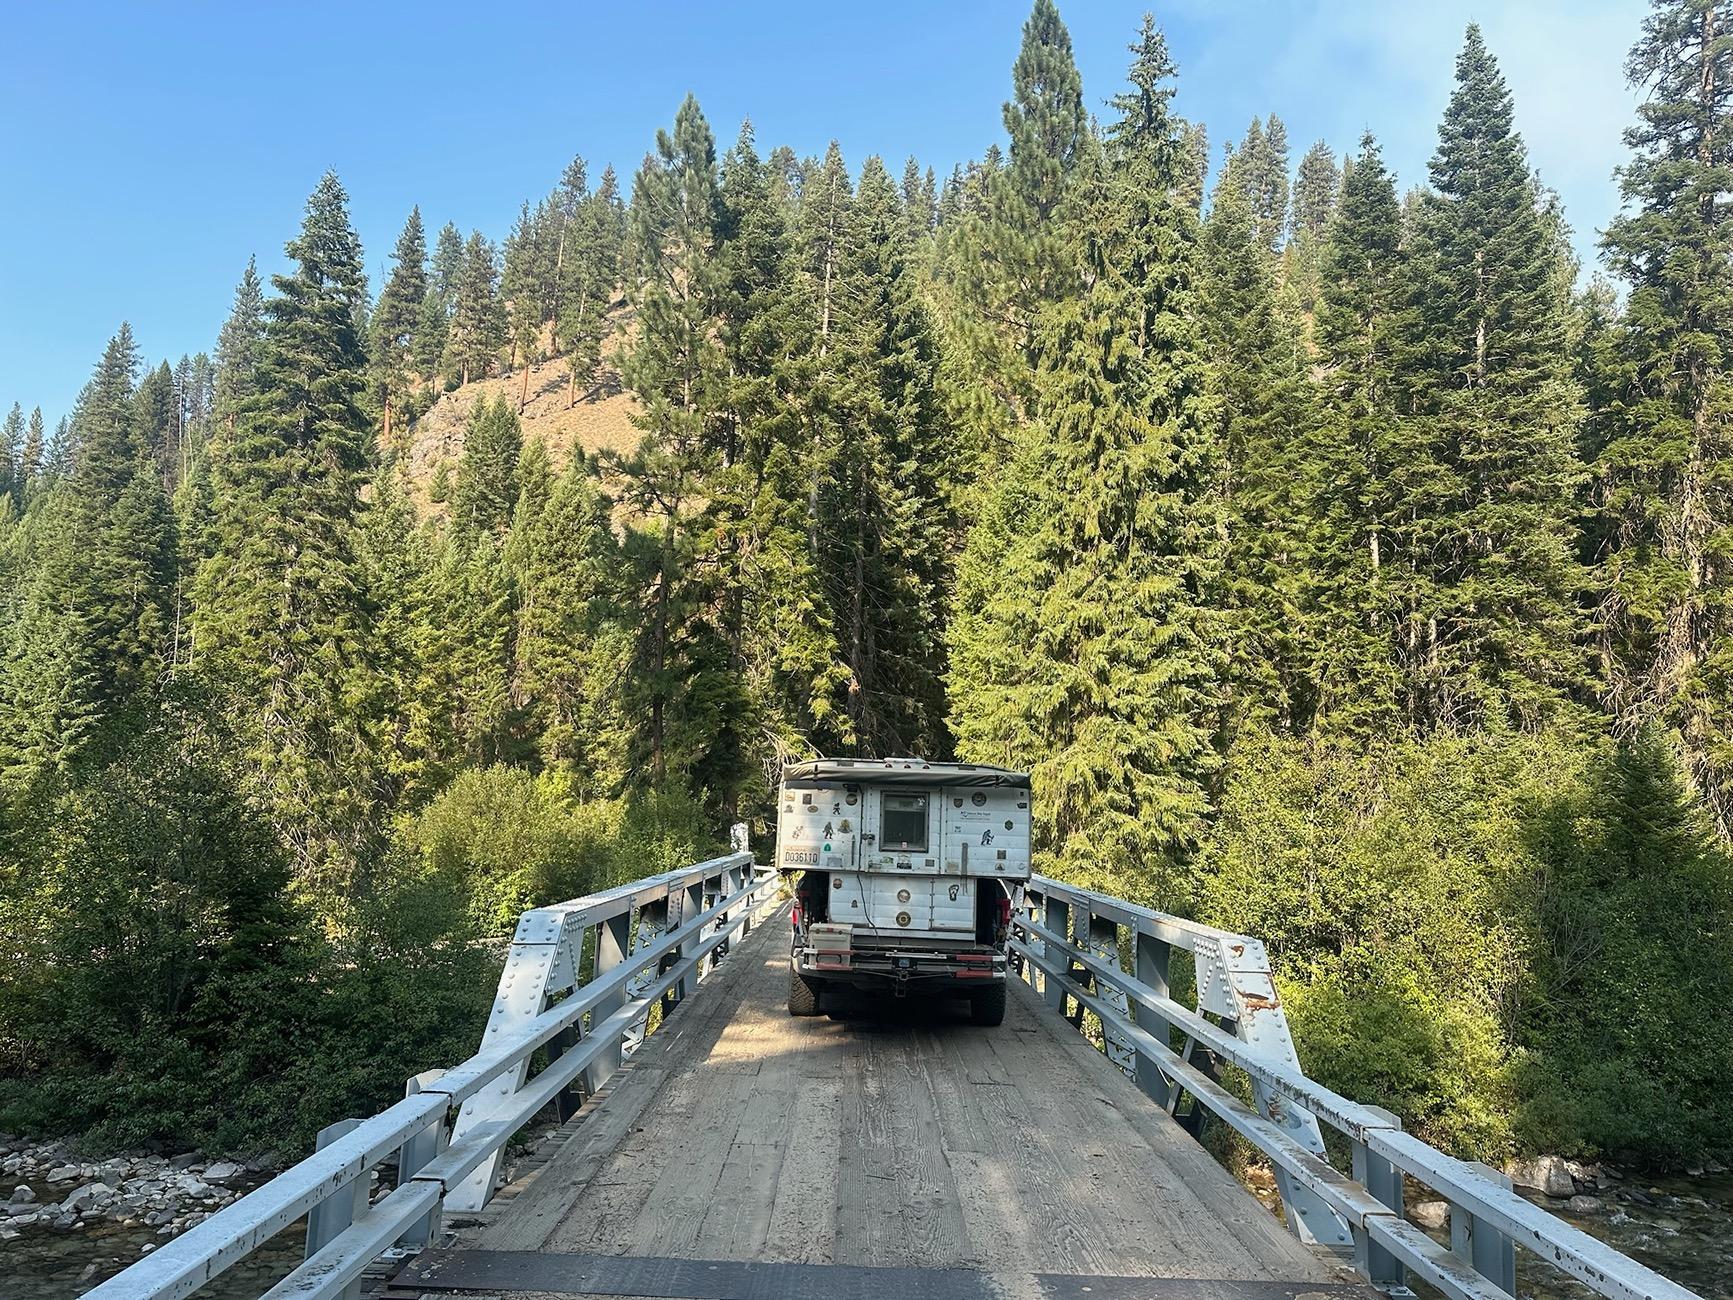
(1431, 1215)
(1549, 1174)
(23, 1194)
(1581, 1204)
(223, 1172)
(63, 1174)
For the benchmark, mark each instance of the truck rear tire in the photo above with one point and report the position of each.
(987, 1006)
(802, 994)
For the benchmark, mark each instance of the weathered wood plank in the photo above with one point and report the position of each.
(892, 1136)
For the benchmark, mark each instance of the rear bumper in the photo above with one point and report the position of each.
(925, 970)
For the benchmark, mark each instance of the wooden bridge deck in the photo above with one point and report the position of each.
(873, 1141)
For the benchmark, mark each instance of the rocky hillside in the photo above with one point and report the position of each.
(599, 419)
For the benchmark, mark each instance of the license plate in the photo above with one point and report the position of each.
(800, 857)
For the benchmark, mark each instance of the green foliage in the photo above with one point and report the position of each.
(1260, 538)
(1079, 650)
(504, 841)
(1664, 487)
(487, 488)
(1503, 939)
(282, 611)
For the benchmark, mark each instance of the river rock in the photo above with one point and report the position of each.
(1580, 1204)
(1431, 1215)
(63, 1174)
(23, 1194)
(186, 1161)
(1549, 1174)
(223, 1172)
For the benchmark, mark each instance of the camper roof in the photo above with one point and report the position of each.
(898, 771)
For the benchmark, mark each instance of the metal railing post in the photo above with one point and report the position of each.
(1491, 1252)
(1056, 917)
(1150, 960)
(327, 1219)
(421, 1148)
(691, 905)
(1104, 943)
(1381, 1178)
(613, 942)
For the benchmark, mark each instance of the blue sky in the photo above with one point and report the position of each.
(147, 150)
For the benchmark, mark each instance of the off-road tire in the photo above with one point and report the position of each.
(987, 1006)
(802, 994)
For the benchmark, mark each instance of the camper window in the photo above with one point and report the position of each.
(904, 828)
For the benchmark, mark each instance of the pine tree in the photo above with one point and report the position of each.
(1316, 191)
(282, 599)
(1268, 418)
(591, 273)
(572, 643)
(238, 347)
(1495, 629)
(1008, 257)
(1358, 583)
(883, 520)
(487, 482)
(477, 324)
(158, 422)
(1663, 487)
(780, 313)
(396, 320)
(11, 457)
(32, 460)
(682, 690)
(1079, 649)
(446, 267)
(526, 289)
(94, 621)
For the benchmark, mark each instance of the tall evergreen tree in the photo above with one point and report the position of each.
(1358, 583)
(12, 456)
(477, 321)
(1268, 419)
(395, 322)
(487, 482)
(32, 459)
(1663, 483)
(1490, 386)
(590, 275)
(94, 623)
(682, 692)
(572, 645)
(282, 599)
(238, 346)
(1080, 648)
(1316, 191)
(158, 422)
(446, 267)
(1009, 257)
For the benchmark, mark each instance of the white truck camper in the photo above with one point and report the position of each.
(905, 873)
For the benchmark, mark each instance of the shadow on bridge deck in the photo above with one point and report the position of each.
(890, 1138)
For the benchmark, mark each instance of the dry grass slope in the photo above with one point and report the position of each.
(600, 420)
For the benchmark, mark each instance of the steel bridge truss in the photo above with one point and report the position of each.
(1099, 961)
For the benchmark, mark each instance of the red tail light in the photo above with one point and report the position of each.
(1004, 913)
(794, 915)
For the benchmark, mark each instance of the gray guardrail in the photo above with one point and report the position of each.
(647, 942)
(1090, 952)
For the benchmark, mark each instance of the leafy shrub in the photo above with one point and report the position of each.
(1515, 942)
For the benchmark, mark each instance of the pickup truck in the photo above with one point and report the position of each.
(905, 874)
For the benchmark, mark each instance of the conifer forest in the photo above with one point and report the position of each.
(1348, 565)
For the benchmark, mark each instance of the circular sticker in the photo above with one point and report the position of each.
(979, 799)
